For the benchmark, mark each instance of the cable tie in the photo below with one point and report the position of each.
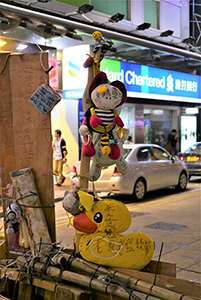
(149, 291)
(45, 265)
(111, 277)
(93, 276)
(69, 262)
(131, 291)
(58, 279)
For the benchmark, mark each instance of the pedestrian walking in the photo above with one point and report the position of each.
(59, 156)
(171, 145)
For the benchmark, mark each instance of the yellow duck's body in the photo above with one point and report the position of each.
(102, 242)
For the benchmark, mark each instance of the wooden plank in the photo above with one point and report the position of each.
(164, 268)
(180, 286)
(32, 130)
(7, 161)
(49, 295)
(63, 294)
(28, 141)
(45, 287)
(25, 291)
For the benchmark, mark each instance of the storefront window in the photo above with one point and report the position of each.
(111, 7)
(153, 17)
(157, 126)
(127, 115)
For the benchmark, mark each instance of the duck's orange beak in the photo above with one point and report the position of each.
(82, 223)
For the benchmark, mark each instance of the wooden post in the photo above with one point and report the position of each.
(25, 134)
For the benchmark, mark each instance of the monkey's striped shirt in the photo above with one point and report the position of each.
(106, 116)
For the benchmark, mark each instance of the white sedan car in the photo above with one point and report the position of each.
(151, 167)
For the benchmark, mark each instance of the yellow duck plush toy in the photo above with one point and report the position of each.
(102, 222)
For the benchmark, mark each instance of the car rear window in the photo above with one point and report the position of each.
(195, 148)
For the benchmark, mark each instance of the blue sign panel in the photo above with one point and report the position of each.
(148, 82)
(144, 81)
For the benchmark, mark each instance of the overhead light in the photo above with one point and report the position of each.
(143, 26)
(116, 18)
(41, 1)
(21, 47)
(49, 28)
(192, 111)
(2, 43)
(189, 40)
(155, 56)
(28, 24)
(82, 10)
(85, 9)
(167, 33)
(71, 33)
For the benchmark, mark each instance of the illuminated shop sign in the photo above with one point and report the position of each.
(73, 94)
(147, 82)
(74, 74)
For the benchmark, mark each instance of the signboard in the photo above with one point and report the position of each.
(53, 74)
(148, 82)
(188, 131)
(73, 94)
(74, 74)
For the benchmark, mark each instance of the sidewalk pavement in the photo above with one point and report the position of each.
(60, 190)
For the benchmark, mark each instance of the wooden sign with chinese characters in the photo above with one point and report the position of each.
(25, 134)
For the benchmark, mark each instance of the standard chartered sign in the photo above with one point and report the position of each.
(132, 78)
(144, 81)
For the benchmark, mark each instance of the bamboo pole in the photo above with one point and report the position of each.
(86, 103)
(85, 281)
(37, 233)
(128, 281)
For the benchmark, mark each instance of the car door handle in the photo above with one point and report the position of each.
(144, 166)
(162, 165)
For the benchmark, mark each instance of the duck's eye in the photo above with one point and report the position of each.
(98, 217)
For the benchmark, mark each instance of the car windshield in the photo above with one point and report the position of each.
(194, 148)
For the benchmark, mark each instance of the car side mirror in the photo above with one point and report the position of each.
(173, 159)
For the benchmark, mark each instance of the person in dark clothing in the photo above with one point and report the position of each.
(60, 152)
(172, 139)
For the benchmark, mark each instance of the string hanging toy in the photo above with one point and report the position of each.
(102, 119)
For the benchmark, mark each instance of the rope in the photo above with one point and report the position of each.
(5, 63)
(26, 196)
(91, 179)
(155, 272)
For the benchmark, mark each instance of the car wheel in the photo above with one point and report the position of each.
(182, 182)
(139, 189)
